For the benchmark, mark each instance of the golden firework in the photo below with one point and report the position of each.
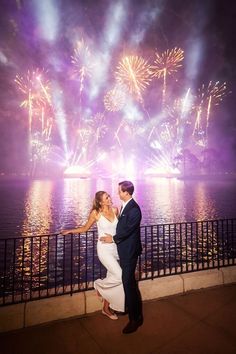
(213, 92)
(168, 62)
(208, 96)
(35, 89)
(134, 73)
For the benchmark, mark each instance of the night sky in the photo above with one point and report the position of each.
(203, 29)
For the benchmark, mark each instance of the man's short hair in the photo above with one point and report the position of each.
(127, 186)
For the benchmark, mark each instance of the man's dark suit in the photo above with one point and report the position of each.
(129, 248)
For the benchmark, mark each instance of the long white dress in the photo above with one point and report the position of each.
(111, 287)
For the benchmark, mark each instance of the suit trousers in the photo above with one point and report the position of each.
(133, 300)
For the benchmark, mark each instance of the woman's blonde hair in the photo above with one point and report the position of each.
(97, 201)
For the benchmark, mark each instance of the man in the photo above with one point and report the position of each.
(129, 248)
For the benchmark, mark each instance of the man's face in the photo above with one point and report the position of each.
(123, 195)
(120, 193)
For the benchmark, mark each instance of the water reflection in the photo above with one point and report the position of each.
(165, 200)
(51, 262)
(203, 203)
(38, 215)
(42, 207)
(76, 201)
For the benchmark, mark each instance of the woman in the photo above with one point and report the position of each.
(110, 290)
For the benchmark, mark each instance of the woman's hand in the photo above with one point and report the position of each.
(66, 232)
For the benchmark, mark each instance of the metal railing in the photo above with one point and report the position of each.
(37, 267)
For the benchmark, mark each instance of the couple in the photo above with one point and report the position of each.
(118, 239)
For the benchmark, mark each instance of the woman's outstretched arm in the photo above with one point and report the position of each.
(91, 220)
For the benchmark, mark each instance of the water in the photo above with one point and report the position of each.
(35, 207)
(32, 267)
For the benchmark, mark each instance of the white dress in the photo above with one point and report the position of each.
(111, 287)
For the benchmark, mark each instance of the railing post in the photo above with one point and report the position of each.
(55, 274)
(71, 264)
(191, 241)
(175, 241)
(64, 262)
(4, 271)
(158, 250)
(48, 264)
(13, 270)
(22, 270)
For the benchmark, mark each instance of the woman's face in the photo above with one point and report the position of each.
(106, 200)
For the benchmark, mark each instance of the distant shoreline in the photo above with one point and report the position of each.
(216, 176)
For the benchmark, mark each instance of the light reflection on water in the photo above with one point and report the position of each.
(42, 207)
(46, 206)
(38, 214)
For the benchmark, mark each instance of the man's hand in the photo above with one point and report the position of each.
(106, 238)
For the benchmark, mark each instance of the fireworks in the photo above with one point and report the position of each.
(40, 150)
(166, 64)
(180, 121)
(178, 111)
(208, 96)
(81, 60)
(114, 100)
(84, 135)
(35, 90)
(98, 126)
(214, 92)
(37, 100)
(134, 72)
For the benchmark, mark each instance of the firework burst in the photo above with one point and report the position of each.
(40, 150)
(81, 60)
(207, 97)
(134, 73)
(98, 125)
(214, 92)
(36, 90)
(166, 64)
(114, 100)
(179, 109)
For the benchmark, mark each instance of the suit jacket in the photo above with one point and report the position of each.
(127, 235)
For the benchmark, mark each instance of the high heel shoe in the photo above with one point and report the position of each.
(111, 316)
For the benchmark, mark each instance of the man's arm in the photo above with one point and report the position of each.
(133, 222)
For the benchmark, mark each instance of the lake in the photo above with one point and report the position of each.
(35, 207)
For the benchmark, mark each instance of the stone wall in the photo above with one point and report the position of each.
(56, 308)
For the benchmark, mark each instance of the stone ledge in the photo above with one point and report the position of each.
(202, 279)
(161, 287)
(229, 274)
(92, 303)
(56, 308)
(11, 317)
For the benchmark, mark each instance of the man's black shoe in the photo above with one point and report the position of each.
(132, 326)
(121, 313)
